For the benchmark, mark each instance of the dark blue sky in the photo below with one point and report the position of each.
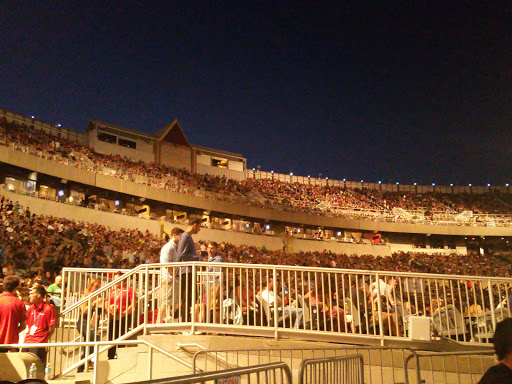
(410, 93)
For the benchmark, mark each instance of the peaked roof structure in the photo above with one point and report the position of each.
(172, 133)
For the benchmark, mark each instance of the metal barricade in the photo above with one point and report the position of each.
(380, 364)
(450, 367)
(332, 370)
(273, 373)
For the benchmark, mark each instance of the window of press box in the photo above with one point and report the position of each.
(221, 163)
(107, 137)
(127, 143)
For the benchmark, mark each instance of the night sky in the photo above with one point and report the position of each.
(408, 93)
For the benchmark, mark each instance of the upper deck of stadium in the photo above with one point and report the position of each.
(166, 167)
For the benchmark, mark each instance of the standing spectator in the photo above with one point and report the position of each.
(56, 290)
(41, 322)
(120, 304)
(169, 285)
(13, 315)
(187, 252)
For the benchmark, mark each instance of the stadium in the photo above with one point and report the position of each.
(409, 279)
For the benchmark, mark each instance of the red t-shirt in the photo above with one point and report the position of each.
(122, 298)
(39, 321)
(12, 314)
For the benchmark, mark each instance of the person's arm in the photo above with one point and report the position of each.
(52, 320)
(22, 326)
(51, 330)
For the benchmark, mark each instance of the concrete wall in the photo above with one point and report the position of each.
(116, 222)
(297, 245)
(175, 156)
(113, 220)
(236, 238)
(37, 164)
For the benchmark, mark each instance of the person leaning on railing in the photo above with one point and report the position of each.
(88, 321)
(120, 304)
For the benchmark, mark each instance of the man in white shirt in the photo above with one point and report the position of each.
(169, 286)
(275, 303)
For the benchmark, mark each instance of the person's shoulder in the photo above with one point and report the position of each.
(498, 374)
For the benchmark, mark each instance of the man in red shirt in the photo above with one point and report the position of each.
(41, 322)
(13, 314)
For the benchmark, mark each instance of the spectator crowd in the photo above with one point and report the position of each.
(270, 193)
(32, 245)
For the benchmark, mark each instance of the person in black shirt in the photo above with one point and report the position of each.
(502, 340)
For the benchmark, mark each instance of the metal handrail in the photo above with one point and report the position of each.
(96, 346)
(183, 346)
(215, 376)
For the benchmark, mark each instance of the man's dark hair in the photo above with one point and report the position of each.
(10, 283)
(195, 221)
(502, 338)
(40, 290)
(214, 244)
(176, 231)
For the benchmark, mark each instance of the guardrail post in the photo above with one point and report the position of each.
(150, 362)
(493, 307)
(379, 309)
(276, 311)
(146, 294)
(193, 293)
(96, 360)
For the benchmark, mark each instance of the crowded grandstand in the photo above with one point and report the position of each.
(278, 273)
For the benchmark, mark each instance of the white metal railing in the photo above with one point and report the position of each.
(275, 301)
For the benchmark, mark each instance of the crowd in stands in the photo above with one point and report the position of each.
(31, 245)
(270, 193)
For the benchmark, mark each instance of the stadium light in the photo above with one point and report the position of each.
(326, 178)
(415, 183)
(380, 182)
(267, 226)
(254, 169)
(469, 185)
(291, 173)
(339, 233)
(397, 183)
(31, 117)
(61, 193)
(344, 179)
(488, 185)
(59, 125)
(117, 203)
(272, 171)
(451, 185)
(433, 184)
(362, 181)
(506, 185)
(309, 175)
